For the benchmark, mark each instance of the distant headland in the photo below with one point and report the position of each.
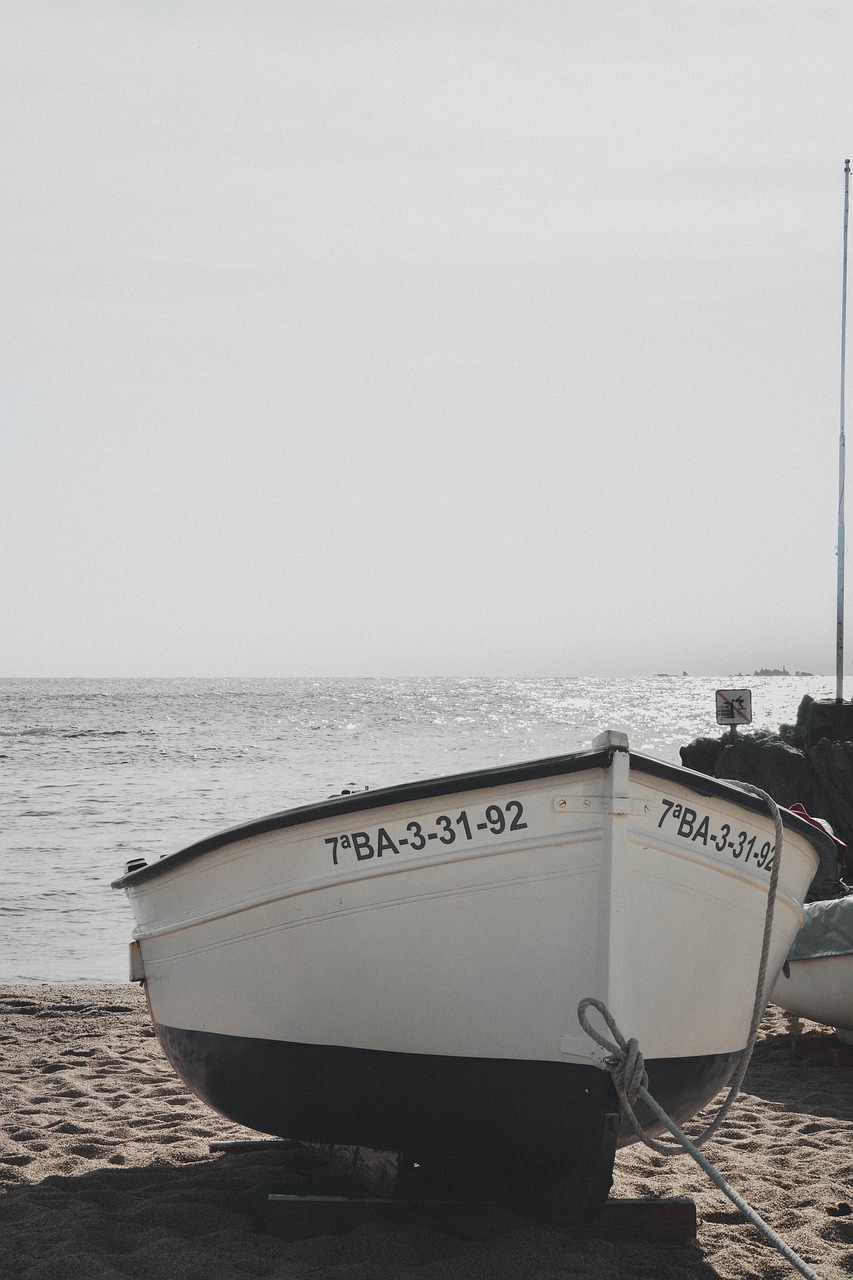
(772, 671)
(742, 675)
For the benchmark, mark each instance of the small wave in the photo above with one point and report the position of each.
(96, 733)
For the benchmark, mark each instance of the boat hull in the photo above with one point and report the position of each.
(820, 990)
(402, 969)
(817, 980)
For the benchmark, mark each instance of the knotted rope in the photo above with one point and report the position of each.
(625, 1064)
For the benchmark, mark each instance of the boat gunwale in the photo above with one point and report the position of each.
(477, 779)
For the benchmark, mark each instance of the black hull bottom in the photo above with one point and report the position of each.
(539, 1135)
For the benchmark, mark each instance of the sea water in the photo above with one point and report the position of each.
(96, 772)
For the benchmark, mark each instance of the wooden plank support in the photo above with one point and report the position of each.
(236, 1145)
(673, 1219)
(300, 1217)
(381, 1173)
(810, 1044)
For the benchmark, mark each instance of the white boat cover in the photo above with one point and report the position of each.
(827, 930)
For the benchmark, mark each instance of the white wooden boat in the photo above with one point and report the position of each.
(817, 979)
(401, 969)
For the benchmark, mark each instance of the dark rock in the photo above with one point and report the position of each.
(823, 719)
(819, 777)
(701, 755)
(779, 769)
(832, 765)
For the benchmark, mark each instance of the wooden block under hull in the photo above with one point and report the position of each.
(805, 1046)
(300, 1217)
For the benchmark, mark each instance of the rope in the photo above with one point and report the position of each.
(630, 1080)
(738, 1201)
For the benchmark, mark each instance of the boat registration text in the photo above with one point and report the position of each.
(446, 829)
(696, 828)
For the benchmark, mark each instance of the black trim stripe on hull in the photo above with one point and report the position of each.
(541, 1129)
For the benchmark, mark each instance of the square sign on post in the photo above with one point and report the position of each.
(734, 707)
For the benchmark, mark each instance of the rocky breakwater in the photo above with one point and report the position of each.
(808, 763)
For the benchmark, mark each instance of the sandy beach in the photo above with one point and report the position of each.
(106, 1171)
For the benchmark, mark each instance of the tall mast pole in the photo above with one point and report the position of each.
(839, 642)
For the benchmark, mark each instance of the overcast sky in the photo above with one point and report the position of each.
(396, 337)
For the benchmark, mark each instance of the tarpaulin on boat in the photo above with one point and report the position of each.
(827, 930)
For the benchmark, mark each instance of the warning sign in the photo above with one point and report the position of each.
(734, 706)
